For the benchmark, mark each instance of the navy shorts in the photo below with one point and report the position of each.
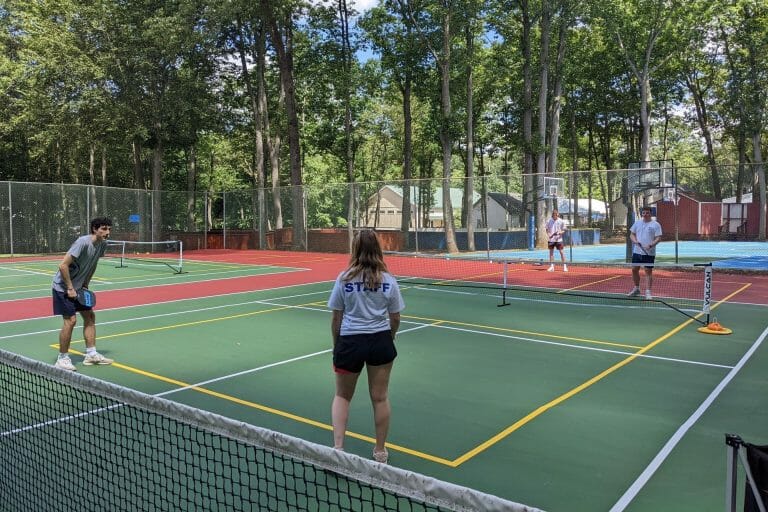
(353, 352)
(555, 245)
(643, 258)
(66, 307)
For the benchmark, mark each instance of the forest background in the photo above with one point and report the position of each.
(223, 95)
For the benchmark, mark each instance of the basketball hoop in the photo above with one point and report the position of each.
(671, 196)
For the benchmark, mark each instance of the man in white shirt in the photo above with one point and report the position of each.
(555, 228)
(645, 235)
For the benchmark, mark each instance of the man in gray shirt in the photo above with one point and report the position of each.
(75, 272)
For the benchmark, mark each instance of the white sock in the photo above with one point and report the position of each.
(63, 355)
(90, 351)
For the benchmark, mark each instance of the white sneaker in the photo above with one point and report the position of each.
(382, 457)
(65, 363)
(634, 293)
(565, 267)
(551, 268)
(96, 358)
(648, 295)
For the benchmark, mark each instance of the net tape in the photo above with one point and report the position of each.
(149, 453)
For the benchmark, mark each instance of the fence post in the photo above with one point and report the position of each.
(10, 217)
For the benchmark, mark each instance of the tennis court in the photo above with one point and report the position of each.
(555, 401)
(732, 254)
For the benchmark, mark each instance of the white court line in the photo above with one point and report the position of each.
(164, 278)
(72, 417)
(272, 302)
(175, 313)
(641, 304)
(581, 347)
(25, 271)
(670, 445)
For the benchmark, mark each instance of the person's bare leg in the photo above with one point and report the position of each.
(345, 389)
(649, 277)
(89, 328)
(636, 276)
(65, 335)
(378, 387)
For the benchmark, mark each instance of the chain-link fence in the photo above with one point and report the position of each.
(489, 212)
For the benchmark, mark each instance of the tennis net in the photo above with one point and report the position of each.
(127, 253)
(683, 288)
(70, 441)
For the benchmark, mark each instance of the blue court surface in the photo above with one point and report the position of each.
(723, 254)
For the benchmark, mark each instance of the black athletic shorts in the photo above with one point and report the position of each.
(66, 307)
(555, 245)
(643, 258)
(353, 352)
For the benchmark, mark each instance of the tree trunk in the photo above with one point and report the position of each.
(469, 189)
(529, 185)
(405, 222)
(282, 41)
(702, 117)
(191, 183)
(157, 186)
(542, 210)
(760, 189)
(446, 139)
(139, 184)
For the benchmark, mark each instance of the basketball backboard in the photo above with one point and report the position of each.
(650, 175)
(551, 188)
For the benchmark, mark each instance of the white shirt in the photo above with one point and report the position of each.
(555, 226)
(365, 310)
(645, 232)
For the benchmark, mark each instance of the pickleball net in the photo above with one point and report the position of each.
(70, 441)
(686, 289)
(163, 254)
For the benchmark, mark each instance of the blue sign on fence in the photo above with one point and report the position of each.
(134, 218)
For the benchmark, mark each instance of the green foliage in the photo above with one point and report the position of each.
(105, 77)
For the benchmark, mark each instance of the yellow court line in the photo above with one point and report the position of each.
(589, 284)
(188, 324)
(270, 410)
(440, 460)
(529, 333)
(581, 387)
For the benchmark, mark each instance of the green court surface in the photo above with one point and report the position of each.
(558, 405)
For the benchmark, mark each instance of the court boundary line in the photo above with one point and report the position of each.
(576, 390)
(459, 460)
(276, 307)
(631, 493)
(159, 278)
(171, 301)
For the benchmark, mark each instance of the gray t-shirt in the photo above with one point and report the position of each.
(86, 256)
(365, 310)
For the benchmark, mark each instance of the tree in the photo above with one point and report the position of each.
(280, 23)
(442, 13)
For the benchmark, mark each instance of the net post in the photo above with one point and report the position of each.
(181, 257)
(733, 442)
(121, 245)
(505, 267)
(706, 307)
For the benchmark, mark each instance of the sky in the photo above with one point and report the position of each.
(360, 6)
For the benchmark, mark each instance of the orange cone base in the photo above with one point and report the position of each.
(715, 328)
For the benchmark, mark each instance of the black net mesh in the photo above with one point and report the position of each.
(71, 442)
